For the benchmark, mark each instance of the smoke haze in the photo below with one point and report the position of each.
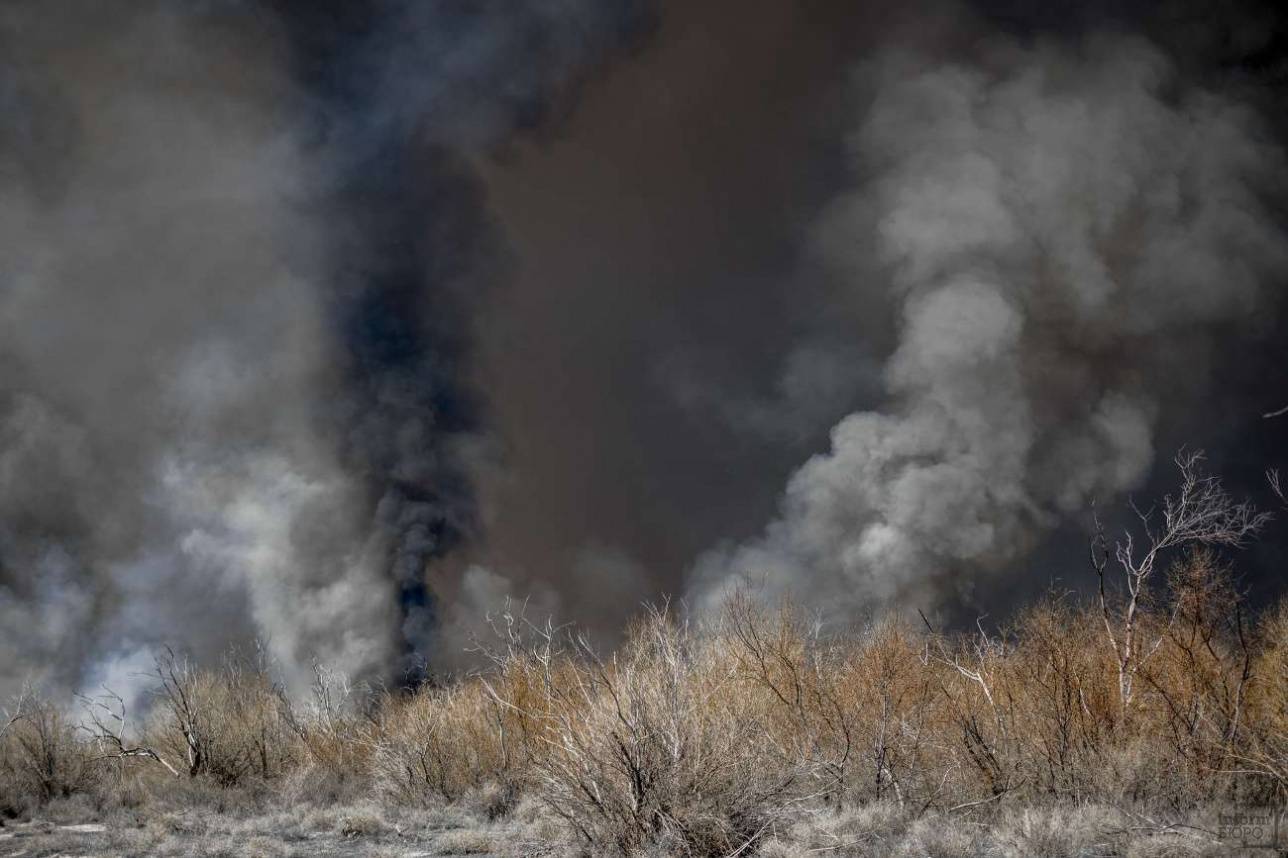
(1062, 229)
(334, 324)
(232, 311)
(163, 347)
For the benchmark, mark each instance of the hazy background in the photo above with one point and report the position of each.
(335, 323)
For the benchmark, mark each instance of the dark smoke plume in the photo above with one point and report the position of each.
(409, 91)
(240, 247)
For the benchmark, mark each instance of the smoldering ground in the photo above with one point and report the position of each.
(334, 324)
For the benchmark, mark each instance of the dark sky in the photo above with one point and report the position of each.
(658, 237)
(664, 275)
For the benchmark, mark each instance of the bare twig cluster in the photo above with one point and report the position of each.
(1201, 513)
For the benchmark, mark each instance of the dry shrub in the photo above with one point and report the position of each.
(701, 739)
(1266, 751)
(438, 744)
(707, 740)
(848, 710)
(654, 745)
(227, 725)
(1033, 712)
(363, 822)
(42, 758)
(1060, 704)
(333, 728)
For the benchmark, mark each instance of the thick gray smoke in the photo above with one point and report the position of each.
(163, 347)
(223, 415)
(1063, 230)
(335, 323)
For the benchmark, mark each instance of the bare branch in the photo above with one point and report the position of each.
(178, 678)
(108, 726)
(15, 710)
(1200, 513)
(1276, 485)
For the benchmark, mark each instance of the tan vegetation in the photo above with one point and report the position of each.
(722, 738)
(712, 739)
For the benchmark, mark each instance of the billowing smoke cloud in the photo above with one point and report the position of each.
(336, 323)
(164, 347)
(1063, 230)
(239, 253)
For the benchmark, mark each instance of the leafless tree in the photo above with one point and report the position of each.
(1200, 513)
(108, 728)
(178, 679)
(329, 697)
(978, 659)
(986, 652)
(335, 724)
(15, 710)
(50, 760)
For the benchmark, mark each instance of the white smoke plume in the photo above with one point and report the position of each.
(1061, 230)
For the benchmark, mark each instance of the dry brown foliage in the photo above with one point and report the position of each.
(707, 739)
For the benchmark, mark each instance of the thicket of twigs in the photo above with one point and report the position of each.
(1160, 691)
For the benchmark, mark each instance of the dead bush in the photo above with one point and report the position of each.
(437, 744)
(226, 724)
(42, 758)
(334, 728)
(654, 744)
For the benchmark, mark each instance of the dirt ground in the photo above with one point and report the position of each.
(880, 830)
(283, 835)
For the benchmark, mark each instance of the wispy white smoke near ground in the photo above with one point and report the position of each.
(1061, 228)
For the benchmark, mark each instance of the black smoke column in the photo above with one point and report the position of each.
(405, 94)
